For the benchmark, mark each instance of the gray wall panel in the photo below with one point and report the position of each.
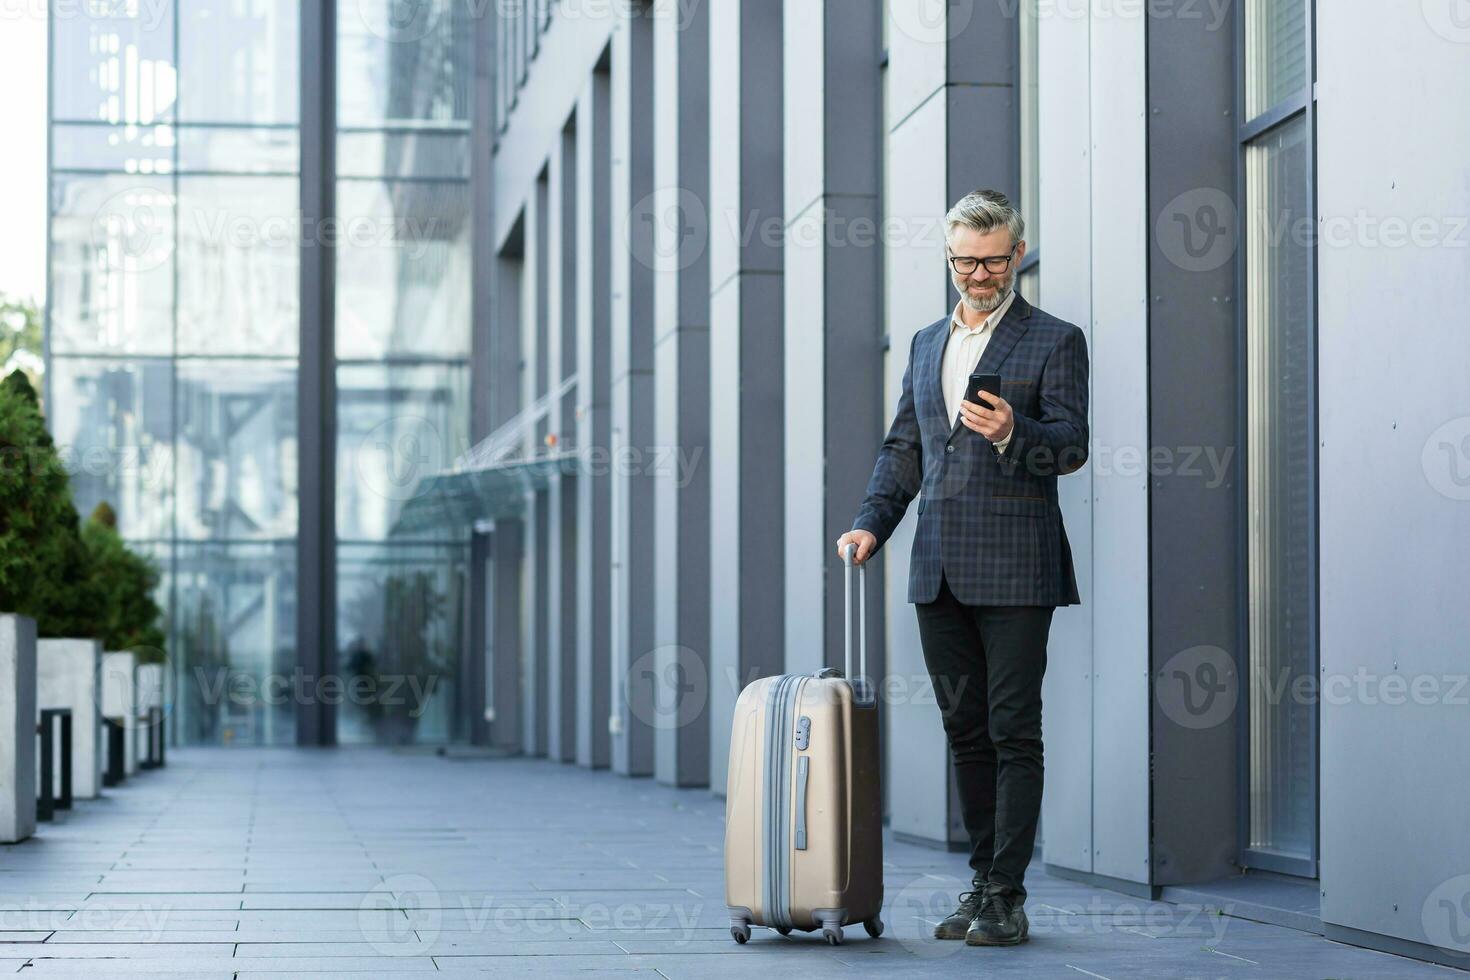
(681, 397)
(1192, 397)
(1394, 478)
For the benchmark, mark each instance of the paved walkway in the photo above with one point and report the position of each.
(237, 863)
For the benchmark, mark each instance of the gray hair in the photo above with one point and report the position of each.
(985, 211)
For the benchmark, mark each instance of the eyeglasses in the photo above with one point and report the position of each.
(994, 264)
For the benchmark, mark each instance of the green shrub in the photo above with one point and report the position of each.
(126, 580)
(44, 568)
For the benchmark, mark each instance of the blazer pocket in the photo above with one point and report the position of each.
(921, 505)
(1020, 506)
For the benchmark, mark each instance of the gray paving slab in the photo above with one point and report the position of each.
(274, 863)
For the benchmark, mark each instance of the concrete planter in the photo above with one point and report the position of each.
(152, 693)
(66, 677)
(17, 728)
(120, 700)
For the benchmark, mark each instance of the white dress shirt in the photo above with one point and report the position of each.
(962, 353)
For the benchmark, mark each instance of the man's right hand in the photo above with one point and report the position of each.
(865, 541)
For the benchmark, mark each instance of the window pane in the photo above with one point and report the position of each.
(247, 49)
(236, 449)
(113, 425)
(112, 264)
(1030, 203)
(126, 149)
(399, 623)
(403, 269)
(400, 63)
(239, 150)
(1282, 728)
(1275, 53)
(431, 153)
(239, 265)
(396, 424)
(234, 628)
(113, 62)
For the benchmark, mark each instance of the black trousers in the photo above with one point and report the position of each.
(986, 663)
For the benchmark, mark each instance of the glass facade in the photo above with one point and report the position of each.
(174, 329)
(1281, 766)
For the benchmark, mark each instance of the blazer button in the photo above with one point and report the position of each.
(949, 450)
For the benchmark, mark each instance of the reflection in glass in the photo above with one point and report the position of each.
(233, 644)
(1282, 727)
(401, 63)
(113, 62)
(239, 259)
(400, 611)
(112, 264)
(272, 150)
(113, 425)
(403, 270)
(236, 449)
(248, 51)
(132, 149)
(1275, 53)
(396, 424)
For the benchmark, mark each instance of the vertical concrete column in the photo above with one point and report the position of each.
(631, 353)
(747, 381)
(66, 677)
(594, 421)
(17, 728)
(679, 215)
(504, 568)
(834, 302)
(561, 334)
(534, 572)
(953, 125)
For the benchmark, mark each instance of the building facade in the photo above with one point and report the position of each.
(685, 246)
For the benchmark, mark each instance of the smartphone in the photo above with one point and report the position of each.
(982, 382)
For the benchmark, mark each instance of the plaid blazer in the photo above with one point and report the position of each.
(989, 521)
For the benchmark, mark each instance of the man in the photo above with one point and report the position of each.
(990, 560)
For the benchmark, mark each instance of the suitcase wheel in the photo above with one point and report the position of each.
(874, 926)
(741, 933)
(833, 936)
(784, 930)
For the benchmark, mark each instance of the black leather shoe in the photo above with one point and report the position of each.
(959, 920)
(1000, 921)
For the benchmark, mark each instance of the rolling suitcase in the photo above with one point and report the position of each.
(803, 803)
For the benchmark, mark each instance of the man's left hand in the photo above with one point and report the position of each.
(992, 423)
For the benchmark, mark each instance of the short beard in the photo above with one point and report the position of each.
(981, 304)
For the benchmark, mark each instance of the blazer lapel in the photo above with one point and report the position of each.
(934, 371)
(1010, 329)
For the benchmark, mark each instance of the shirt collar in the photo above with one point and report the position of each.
(990, 321)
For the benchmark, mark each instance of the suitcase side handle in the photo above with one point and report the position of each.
(848, 554)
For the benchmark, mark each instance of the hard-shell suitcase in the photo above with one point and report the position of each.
(803, 804)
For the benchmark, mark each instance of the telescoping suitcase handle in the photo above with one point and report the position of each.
(848, 554)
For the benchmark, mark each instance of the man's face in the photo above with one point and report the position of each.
(983, 291)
